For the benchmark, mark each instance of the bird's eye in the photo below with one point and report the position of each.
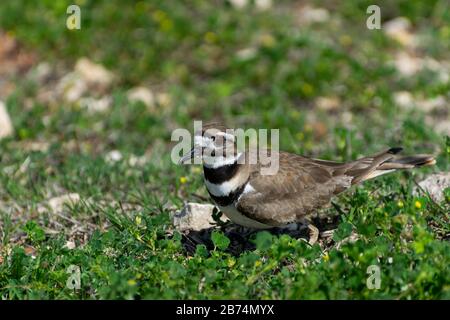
(213, 138)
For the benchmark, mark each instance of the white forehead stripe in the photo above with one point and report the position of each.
(227, 136)
(202, 141)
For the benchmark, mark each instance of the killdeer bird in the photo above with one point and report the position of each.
(300, 187)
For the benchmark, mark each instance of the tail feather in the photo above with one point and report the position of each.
(388, 161)
(408, 162)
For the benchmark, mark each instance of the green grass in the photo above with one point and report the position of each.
(126, 246)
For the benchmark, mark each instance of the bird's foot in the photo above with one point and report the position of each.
(313, 234)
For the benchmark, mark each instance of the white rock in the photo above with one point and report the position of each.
(397, 24)
(142, 94)
(239, 4)
(70, 245)
(194, 216)
(71, 87)
(406, 64)
(87, 76)
(41, 73)
(57, 204)
(263, 4)
(442, 127)
(404, 99)
(246, 54)
(114, 156)
(436, 103)
(310, 15)
(163, 99)
(6, 127)
(399, 29)
(435, 185)
(134, 161)
(327, 103)
(94, 105)
(93, 73)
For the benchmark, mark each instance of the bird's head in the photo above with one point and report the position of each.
(215, 144)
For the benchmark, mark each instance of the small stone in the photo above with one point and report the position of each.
(239, 4)
(94, 74)
(397, 24)
(86, 77)
(435, 185)
(71, 87)
(134, 161)
(114, 156)
(195, 216)
(404, 99)
(407, 64)
(57, 204)
(142, 94)
(399, 30)
(70, 245)
(163, 99)
(328, 103)
(246, 54)
(442, 127)
(42, 73)
(436, 103)
(6, 127)
(309, 15)
(263, 4)
(94, 105)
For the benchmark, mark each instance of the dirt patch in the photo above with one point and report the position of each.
(14, 61)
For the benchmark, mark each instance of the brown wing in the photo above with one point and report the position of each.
(301, 186)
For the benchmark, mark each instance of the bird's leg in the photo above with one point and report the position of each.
(312, 231)
(313, 234)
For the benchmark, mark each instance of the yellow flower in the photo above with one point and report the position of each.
(345, 40)
(307, 89)
(418, 204)
(400, 204)
(210, 37)
(326, 257)
(132, 282)
(183, 180)
(267, 40)
(166, 24)
(138, 220)
(295, 114)
(258, 263)
(159, 15)
(300, 136)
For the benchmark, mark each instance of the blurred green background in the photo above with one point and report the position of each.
(334, 88)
